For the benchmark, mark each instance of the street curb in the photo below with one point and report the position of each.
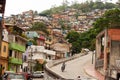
(89, 74)
(49, 65)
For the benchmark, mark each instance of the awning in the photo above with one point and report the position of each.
(18, 47)
(60, 47)
(48, 42)
(37, 56)
(35, 48)
(15, 60)
(49, 52)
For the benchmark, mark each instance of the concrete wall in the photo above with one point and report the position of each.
(115, 52)
(49, 74)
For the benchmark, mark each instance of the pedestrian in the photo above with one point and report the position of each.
(78, 78)
(63, 67)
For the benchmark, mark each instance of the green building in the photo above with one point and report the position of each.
(17, 45)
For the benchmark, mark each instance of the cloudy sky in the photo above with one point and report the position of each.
(19, 6)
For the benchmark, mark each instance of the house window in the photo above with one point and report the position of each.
(16, 39)
(10, 53)
(15, 54)
(25, 58)
(49, 57)
(4, 49)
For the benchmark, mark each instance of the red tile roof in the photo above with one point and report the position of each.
(41, 38)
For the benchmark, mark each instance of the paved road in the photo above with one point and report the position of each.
(74, 68)
(38, 79)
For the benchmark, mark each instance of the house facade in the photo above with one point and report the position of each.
(16, 47)
(38, 53)
(3, 41)
(4, 52)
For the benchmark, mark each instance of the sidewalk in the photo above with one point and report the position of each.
(89, 69)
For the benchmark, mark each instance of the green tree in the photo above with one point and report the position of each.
(84, 7)
(111, 19)
(39, 26)
(72, 36)
(46, 12)
(76, 47)
(38, 66)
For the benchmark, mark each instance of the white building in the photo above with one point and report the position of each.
(36, 53)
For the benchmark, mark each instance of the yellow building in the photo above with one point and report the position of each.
(4, 56)
(3, 40)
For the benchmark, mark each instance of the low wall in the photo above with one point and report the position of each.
(50, 75)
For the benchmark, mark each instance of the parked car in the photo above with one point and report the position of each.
(27, 75)
(13, 76)
(6, 74)
(38, 74)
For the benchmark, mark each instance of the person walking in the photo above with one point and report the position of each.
(78, 78)
(63, 67)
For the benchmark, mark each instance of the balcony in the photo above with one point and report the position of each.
(18, 47)
(12, 38)
(15, 60)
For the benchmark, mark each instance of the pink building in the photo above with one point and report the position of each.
(107, 56)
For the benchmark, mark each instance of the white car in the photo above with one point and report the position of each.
(38, 74)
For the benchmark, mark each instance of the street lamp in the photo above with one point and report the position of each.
(93, 55)
(32, 50)
(31, 59)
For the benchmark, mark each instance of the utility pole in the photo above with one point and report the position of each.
(31, 59)
(0, 32)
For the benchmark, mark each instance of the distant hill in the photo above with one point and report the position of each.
(84, 7)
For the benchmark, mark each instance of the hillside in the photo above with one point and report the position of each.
(84, 7)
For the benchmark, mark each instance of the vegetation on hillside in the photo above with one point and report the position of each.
(84, 7)
(39, 26)
(111, 19)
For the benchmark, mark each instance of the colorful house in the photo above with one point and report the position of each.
(41, 39)
(3, 40)
(4, 50)
(31, 34)
(107, 57)
(34, 53)
(17, 45)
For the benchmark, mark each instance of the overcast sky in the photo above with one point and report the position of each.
(19, 6)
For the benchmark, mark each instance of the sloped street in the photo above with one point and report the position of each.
(74, 68)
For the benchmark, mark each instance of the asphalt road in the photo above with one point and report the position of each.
(38, 79)
(74, 68)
